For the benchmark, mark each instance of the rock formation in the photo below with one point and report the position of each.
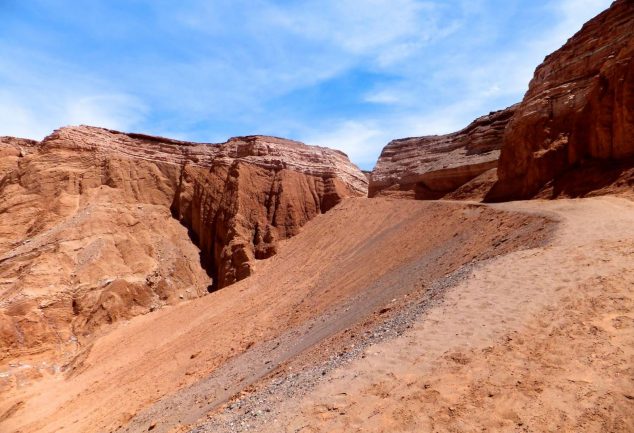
(570, 136)
(97, 225)
(433, 166)
(578, 111)
(11, 149)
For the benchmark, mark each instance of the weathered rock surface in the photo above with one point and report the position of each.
(433, 166)
(570, 136)
(98, 225)
(11, 149)
(579, 109)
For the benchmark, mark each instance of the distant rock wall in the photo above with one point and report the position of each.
(237, 198)
(433, 166)
(98, 225)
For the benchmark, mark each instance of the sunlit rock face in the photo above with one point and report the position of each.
(579, 108)
(431, 167)
(98, 225)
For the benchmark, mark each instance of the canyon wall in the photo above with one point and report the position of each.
(431, 167)
(570, 136)
(98, 225)
(579, 108)
(11, 149)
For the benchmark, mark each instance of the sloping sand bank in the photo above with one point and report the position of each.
(540, 340)
(173, 366)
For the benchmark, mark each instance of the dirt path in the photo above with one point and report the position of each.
(537, 340)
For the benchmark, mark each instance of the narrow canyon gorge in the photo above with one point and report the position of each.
(474, 281)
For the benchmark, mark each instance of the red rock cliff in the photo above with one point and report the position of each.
(579, 108)
(433, 166)
(97, 225)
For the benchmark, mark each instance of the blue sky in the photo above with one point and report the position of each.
(348, 74)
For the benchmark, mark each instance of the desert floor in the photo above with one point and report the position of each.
(380, 316)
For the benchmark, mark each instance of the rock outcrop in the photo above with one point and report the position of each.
(11, 149)
(98, 225)
(578, 111)
(570, 136)
(433, 166)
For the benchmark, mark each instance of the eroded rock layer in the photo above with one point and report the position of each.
(578, 111)
(11, 149)
(431, 167)
(98, 225)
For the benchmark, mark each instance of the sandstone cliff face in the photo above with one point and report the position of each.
(11, 149)
(579, 108)
(433, 166)
(97, 225)
(570, 136)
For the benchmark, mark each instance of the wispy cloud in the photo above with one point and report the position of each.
(381, 30)
(42, 93)
(109, 110)
(39, 116)
(352, 137)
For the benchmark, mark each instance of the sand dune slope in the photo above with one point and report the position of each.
(173, 366)
(539, 340)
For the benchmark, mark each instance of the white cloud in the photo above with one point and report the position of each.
(35, 111)
(571, 15)
(363, 140)
(383, 31)
(38, 116)
(574, 14)
(17, 121)
(359, 140)
(385, 96)
(42, 93)
(115, 111)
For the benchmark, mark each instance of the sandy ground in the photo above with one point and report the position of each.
(539, 340)
(521, 324)
(171, 367)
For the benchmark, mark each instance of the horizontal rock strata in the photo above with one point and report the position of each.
(432, 166)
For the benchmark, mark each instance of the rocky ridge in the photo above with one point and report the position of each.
(98, 225)
(430, 167)
(12, 148)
